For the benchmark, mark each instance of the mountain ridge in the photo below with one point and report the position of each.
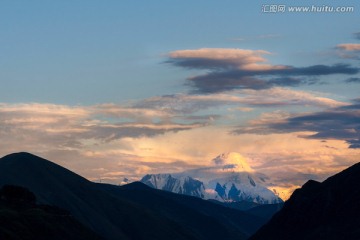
(327, 210)
(230, 179)
(116, 212)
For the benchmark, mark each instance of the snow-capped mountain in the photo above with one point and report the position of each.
(183, 185)
(229, 179)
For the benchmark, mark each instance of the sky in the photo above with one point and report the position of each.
(113, 89)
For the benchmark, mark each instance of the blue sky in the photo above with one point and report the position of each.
(86, 52)
(130, 87)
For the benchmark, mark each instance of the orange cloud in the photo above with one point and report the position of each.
(113, 141)
(349, 46)
(287, 159)
(240, 58)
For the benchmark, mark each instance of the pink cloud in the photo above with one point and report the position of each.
(349, 46)
(242, 59)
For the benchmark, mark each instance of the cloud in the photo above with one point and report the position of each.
(349, 50)
(221, 58)
(163, 133)
(349, 46)
(246, 69)
(278, 96)
(66, 127)
(185, 104)
(354, 106)
(287, 159)
(243, 109)
(84, 139)
(128, 112)
(353, 80)
(341, 123)
(50, 126)
(110, 132)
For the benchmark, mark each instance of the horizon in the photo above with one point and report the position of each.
(118, 90)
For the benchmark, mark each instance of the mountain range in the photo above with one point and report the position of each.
(133, 211)
(229, 179)
(42, 200)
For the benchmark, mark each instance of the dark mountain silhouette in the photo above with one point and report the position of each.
(201, 217)
(265, 211)
(55, 185)
(241, 205)
(21, 218)
(133, 211)
(327, 210)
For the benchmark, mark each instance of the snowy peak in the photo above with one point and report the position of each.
(229, 179)
(183, 185)
(250, 191)
(158, 181)
(232, 162)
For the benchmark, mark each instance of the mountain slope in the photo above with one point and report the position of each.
(21, 218)
(265, 211)
(327, 210)
(55, 185)
(213, 221)
(110, 217)
(120, 213)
